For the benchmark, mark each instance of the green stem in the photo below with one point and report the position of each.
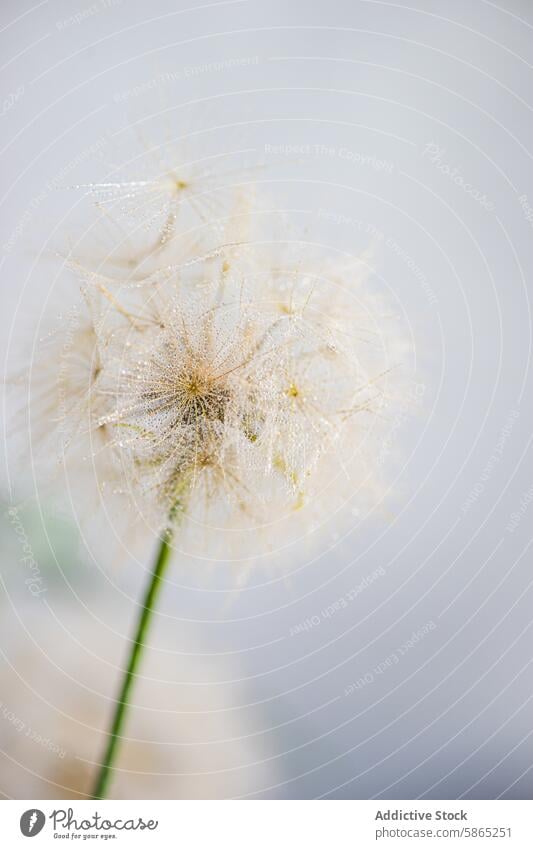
(137, 646)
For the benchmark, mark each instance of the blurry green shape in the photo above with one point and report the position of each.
(39, 541)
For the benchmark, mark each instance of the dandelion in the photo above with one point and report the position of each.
(228, 395)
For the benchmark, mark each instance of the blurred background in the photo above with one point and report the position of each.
(396, 662)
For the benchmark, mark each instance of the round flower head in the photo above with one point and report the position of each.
(238, 398)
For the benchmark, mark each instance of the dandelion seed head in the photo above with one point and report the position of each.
(236, 390)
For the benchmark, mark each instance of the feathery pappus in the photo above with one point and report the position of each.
(240, 393)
